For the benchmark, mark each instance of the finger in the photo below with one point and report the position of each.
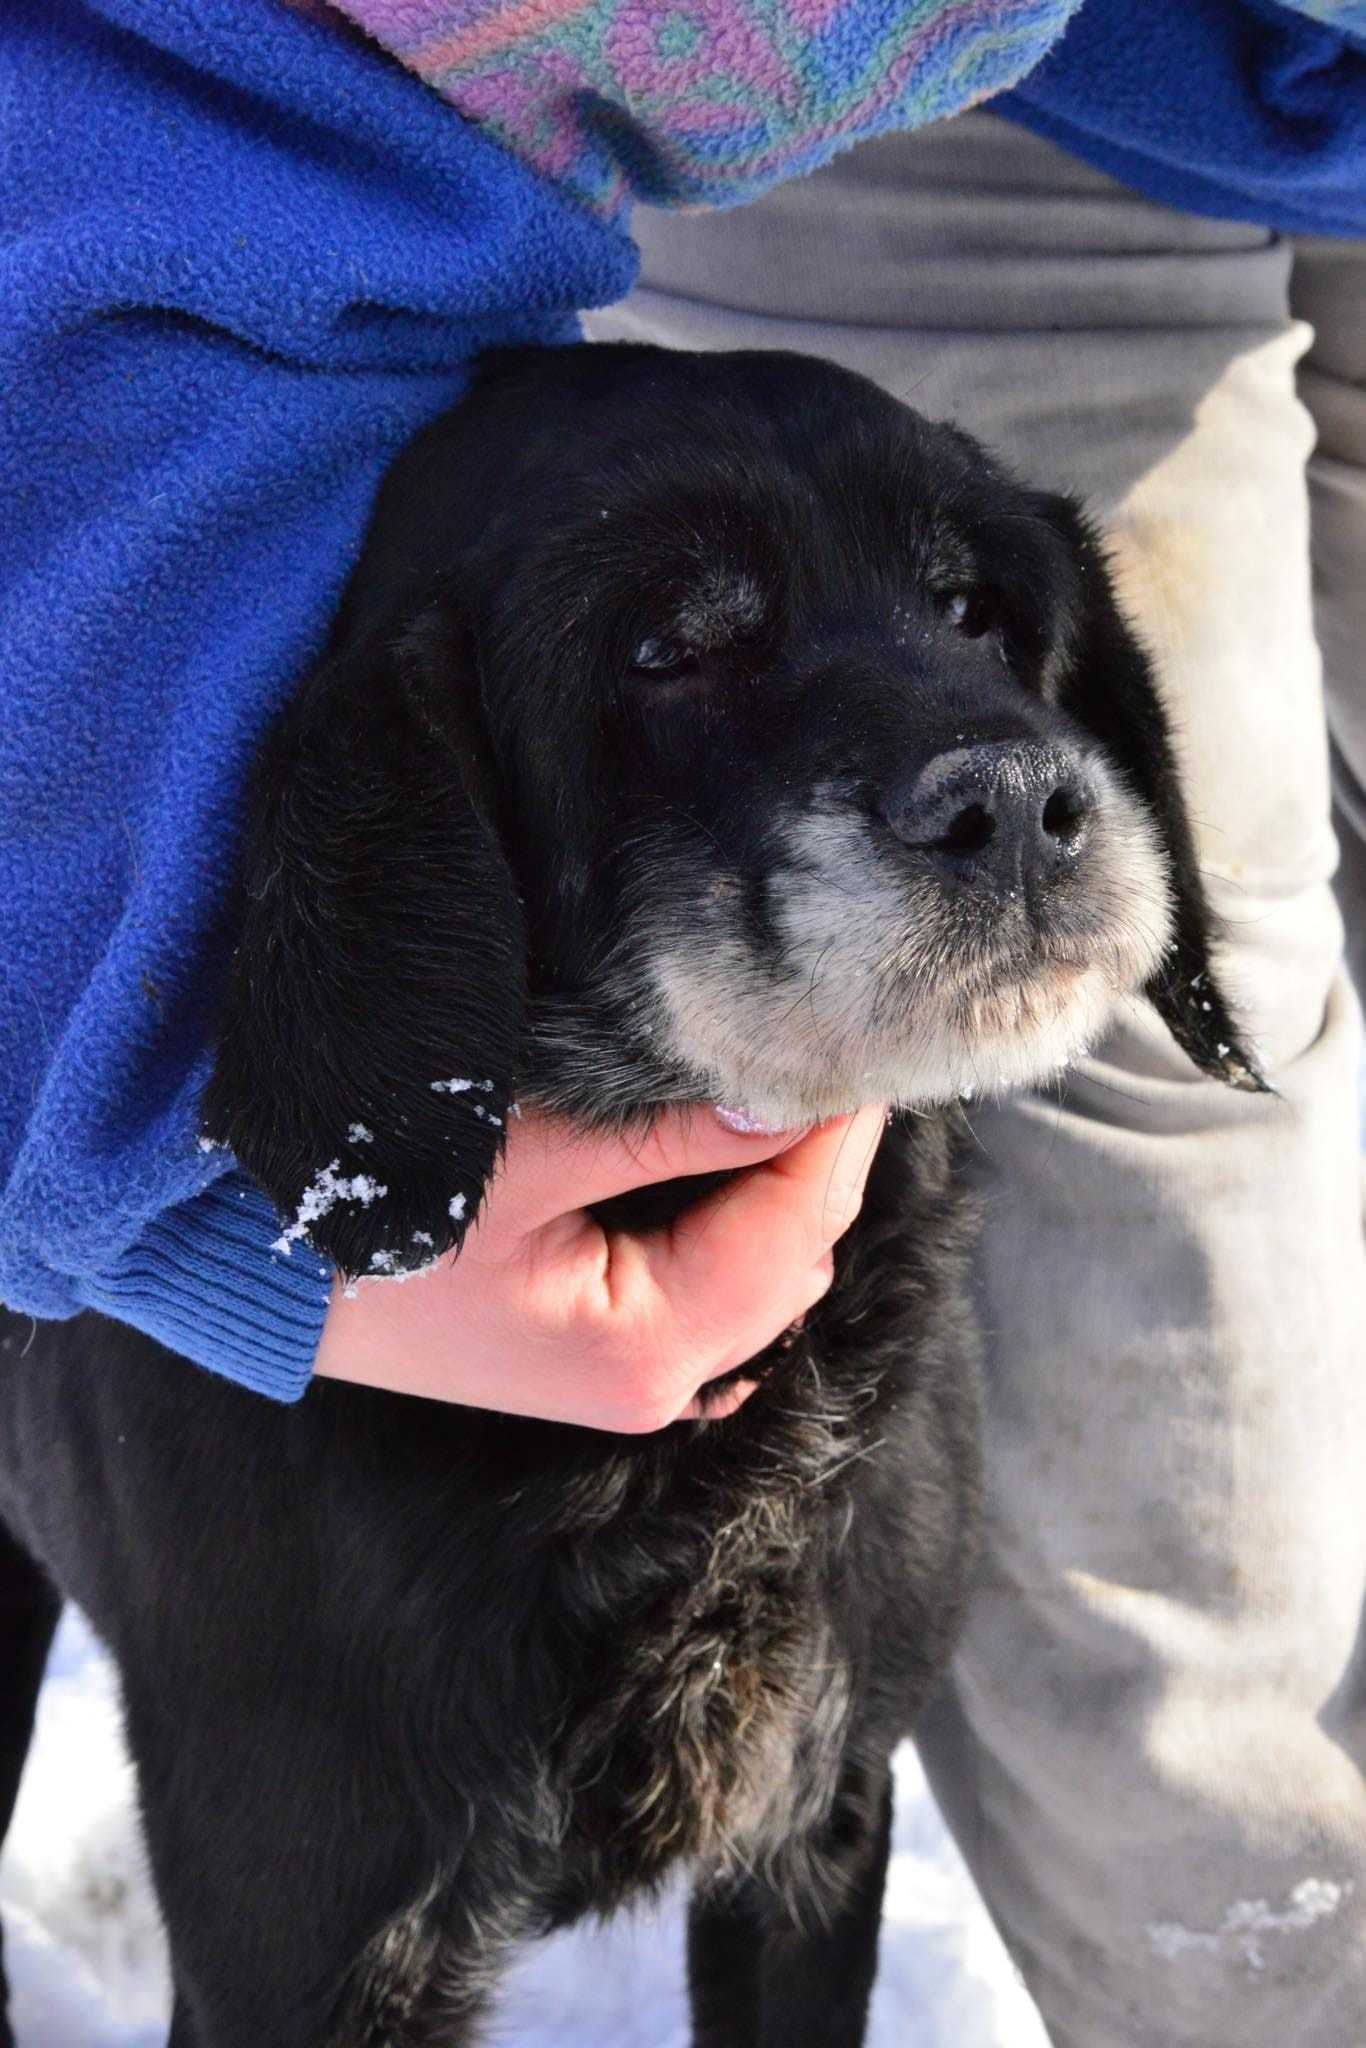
(651, 1360)
(716, 1407)
(551, 1168)
(791, 1208)
(776, 1319)
(726, 1319)
(726, 1266)
(842, 1196)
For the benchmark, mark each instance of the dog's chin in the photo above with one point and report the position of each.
(1011, 1035)
(1008, 1035)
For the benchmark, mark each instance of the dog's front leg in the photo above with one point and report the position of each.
(790, 1964)
(184, 2033)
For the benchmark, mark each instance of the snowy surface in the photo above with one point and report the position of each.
(85, 1954)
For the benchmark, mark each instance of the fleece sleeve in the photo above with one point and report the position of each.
(1254, 111)
(243, 257)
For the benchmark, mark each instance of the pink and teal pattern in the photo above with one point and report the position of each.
(705, 102)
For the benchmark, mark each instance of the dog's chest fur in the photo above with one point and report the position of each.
(722, 1676)
(698, 1612)
(701, 1721)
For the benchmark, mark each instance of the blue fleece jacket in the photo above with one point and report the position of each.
(240, 265)
(1240, 109)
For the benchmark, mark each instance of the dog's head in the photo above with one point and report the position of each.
(697, 727)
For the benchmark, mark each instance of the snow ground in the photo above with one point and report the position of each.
(84, 1950)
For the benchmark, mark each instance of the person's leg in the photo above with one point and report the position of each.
(1151, 1746)
(1328, 289)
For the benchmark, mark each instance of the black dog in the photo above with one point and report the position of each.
(697, 729)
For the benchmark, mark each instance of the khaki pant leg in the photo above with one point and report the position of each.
(1151, 1745)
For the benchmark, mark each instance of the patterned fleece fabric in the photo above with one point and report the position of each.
(1238, 107)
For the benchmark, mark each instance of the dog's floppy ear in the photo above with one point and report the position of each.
(1106, 684)
(373, 1017)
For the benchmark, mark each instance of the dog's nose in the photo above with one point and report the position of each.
(1011, 811)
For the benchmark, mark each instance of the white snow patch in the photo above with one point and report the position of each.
(458, 1087)
(323, 1194)
(56, 2001)
(1248, 1922)
(207, 1144)
(385, 1266)
(357, 1134)
(89, 1966)
(1171, 1940)
(455, 1208)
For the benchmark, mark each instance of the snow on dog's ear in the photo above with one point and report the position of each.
(1106, 683)
(373, 1018)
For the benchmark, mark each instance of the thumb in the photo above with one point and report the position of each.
(550, 1167)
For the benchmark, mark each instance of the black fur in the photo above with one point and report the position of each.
(405, 1683)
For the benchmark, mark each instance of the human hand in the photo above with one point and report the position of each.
(544, 1312)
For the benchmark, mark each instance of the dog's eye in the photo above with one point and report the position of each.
(662, 657)
(968, 611)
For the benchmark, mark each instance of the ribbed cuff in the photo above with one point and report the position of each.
(203, 1280)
